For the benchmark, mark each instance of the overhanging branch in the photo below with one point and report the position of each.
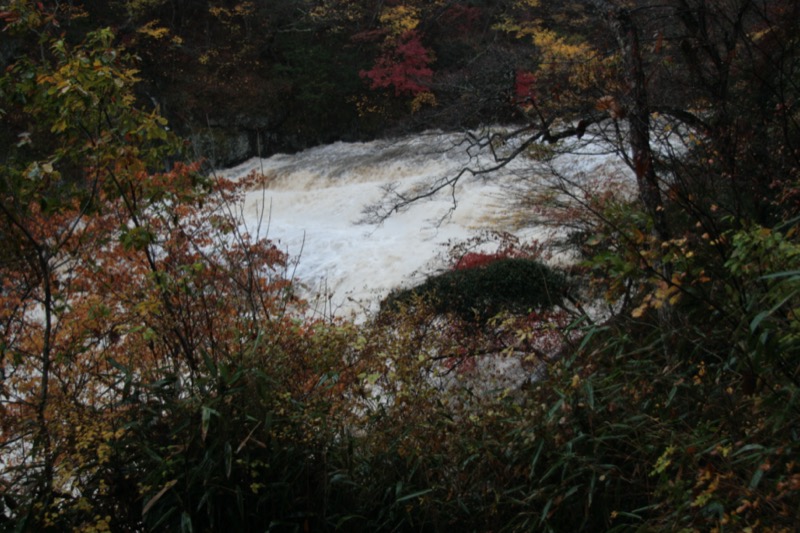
(396, 200)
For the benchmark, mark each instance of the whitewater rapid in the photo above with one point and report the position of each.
(312, 203)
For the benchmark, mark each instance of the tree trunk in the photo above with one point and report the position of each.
(638, 114)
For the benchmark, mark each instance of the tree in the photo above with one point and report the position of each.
(404, 68)
(691, 96)
(157, 372)
(673, 91)
(124, 272)
(664, 106)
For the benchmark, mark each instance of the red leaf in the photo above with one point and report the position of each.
(404, 67)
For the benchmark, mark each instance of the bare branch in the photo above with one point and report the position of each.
(396, 200)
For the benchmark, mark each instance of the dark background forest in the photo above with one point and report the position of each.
(294, 74)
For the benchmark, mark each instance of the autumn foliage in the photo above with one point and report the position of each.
(130, 295)
(158, 371)
(404, 67)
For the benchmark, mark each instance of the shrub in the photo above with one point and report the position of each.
(515, 285)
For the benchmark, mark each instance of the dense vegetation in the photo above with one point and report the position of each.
(510, 284)
(286, 74)
(159, 374)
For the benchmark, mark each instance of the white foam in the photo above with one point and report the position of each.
(316, 197)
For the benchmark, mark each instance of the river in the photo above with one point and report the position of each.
(314, 201)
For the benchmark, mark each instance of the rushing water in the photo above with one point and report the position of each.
(314, 200)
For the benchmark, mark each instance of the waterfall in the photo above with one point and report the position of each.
(313, 201)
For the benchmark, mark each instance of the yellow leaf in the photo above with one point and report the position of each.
(151, 30)
(639, 311)
(400, 19)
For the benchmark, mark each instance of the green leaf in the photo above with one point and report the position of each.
(747, 448)
(228, 460)
(671, 395)
(212, 368)
(586, 338)
(413, 495)
(786, 274)
(545, 511)
(113, 362)
(186, 523)
(205, 415)
(536, 456)
(137, 238)
(758, 319)
(589, 393)
(754, 481)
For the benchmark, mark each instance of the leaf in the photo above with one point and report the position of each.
(589, 393)
(152, 501)
(113, 362)
(209, 363)
(186, 523)
(786, 274)
(404, 67)
(639, 311)
(671, 395)
(545, 511)
(247, 438)
(588, 337)
(536, 456)
(228, 460)
(747, 448)
(205, 415)
(758, 319)
(413, 495)
(754, 481)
